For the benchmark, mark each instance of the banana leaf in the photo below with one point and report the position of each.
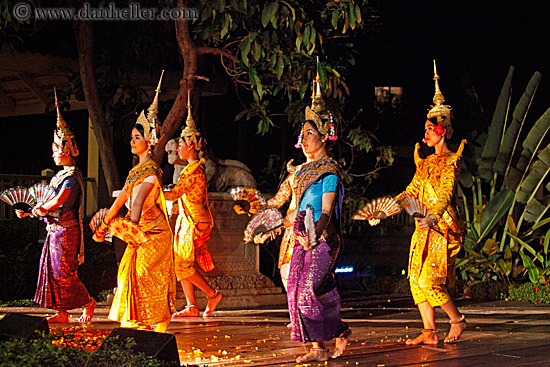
(535, 178)
(546, 243)
(495, 209)
(465, 177)
(524, 245)
(531, 145)
(537, 225)
(473, 150)
(496, 129)
(535, 209)
(511, 136)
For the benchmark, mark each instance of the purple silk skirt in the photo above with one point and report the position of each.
(58, 285)
(314, 307)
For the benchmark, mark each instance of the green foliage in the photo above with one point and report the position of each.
(537, 263)
(530, 292)
(356, 153)
(69, 350)
(19, 303)
(272, 47)
(504, 213)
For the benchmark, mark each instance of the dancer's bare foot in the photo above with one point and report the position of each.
(428, 336)
(88, 312)
(212, 303)
(314, 354)
(188, 311)
(457, 327)
(341, 343)
(61, 317)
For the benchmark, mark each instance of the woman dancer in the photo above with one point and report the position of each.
(145, 293)
(58, 285)
(438, 236)
(194, 222)
(313, 301)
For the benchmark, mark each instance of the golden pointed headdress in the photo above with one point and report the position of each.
(439, 110)
(190, 131)
(63, 137)
(151, 124)
(318, 112)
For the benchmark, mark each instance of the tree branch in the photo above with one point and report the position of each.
(215, 51)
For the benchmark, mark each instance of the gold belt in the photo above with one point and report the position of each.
(62, 224)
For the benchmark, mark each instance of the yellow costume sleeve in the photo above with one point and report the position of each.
(183, 186)
(282, 196)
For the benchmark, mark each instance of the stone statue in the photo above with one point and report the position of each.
(221, 174)
(171, 148)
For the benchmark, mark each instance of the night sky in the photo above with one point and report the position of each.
(474, 43)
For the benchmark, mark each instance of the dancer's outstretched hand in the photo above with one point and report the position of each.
(21, 214)
(374, 222)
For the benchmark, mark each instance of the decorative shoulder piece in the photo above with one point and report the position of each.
(150, 123)
(63, 137)
(456, 156)
(290, 167)
(439, 110)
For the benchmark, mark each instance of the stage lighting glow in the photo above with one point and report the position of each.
(344, 269)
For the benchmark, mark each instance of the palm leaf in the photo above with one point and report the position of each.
(496, 129)
(524, 245)
(546, 242)
(511, 136)
(465, 177)
(537, 225)
(535, 178)
(494, 211)
(535, 209)
(472, 151)
(531, 145)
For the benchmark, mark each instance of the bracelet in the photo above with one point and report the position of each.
(433, 219)
(102, 229)
(39, 212)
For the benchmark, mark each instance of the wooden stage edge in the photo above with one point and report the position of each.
(498, 334)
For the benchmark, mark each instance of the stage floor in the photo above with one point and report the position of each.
(498, 334)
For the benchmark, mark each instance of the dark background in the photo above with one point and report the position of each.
(474, 43)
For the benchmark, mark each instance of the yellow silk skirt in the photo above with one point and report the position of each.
(146, 284)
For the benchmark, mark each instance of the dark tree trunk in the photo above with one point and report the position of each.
(190, 53)
(84, 40)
